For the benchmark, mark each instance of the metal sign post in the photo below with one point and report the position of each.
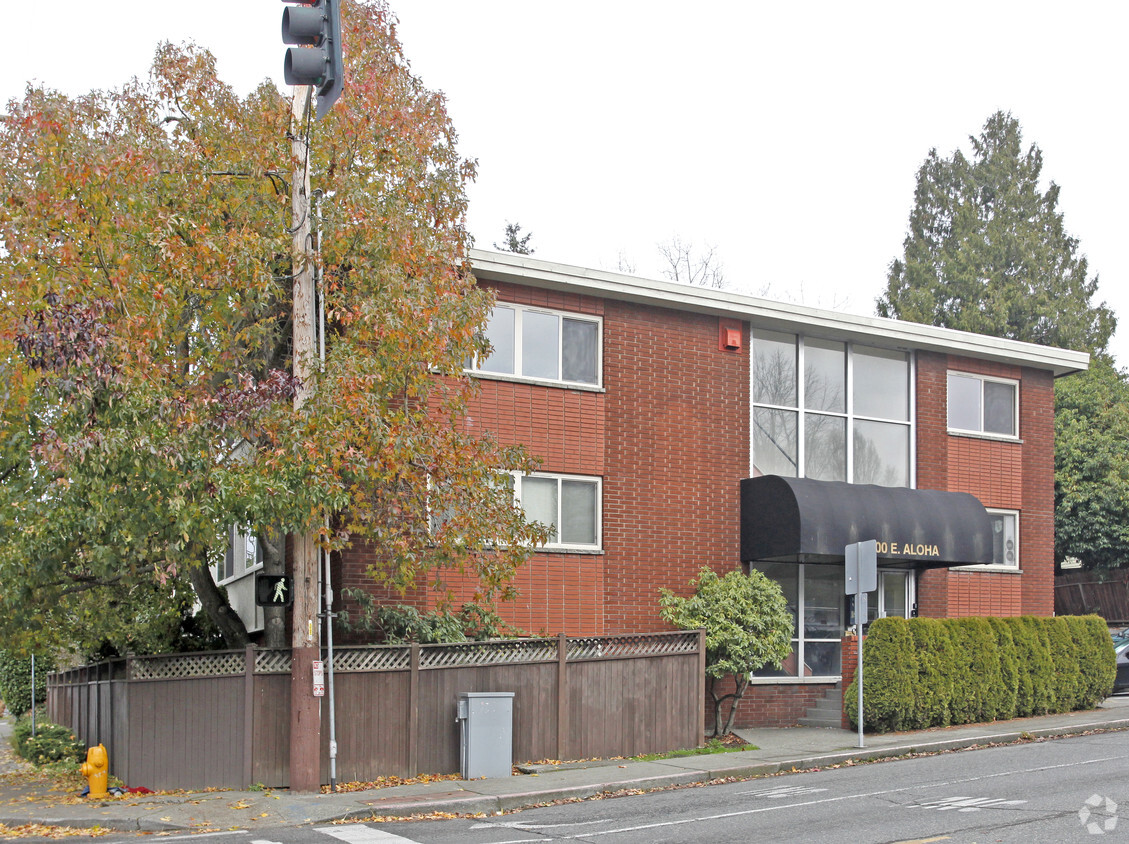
(861, 561)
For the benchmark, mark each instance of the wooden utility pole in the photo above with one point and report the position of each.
(305, 709)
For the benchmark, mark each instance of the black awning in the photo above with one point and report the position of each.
(798, 519)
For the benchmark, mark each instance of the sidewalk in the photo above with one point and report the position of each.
(780, 749)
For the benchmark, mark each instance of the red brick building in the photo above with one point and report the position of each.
(650, 402)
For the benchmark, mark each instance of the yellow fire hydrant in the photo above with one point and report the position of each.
(96, 769)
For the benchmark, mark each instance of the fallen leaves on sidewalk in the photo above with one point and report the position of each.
(38, 830)
(387, 782)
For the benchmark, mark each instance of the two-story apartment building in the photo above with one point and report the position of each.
(683, 427)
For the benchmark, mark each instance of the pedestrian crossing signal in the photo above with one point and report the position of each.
(274, 590)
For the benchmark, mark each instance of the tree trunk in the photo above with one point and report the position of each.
(274, 562)
(215, 604)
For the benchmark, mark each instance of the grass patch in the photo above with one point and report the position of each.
(714, 745)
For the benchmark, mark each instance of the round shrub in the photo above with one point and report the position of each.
(51, 743)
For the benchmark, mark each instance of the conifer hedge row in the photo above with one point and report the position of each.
(928, 672)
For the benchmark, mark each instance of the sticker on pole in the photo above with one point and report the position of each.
(319, 678)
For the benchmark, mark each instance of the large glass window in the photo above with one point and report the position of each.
(847, 419)
(816, 600)
(542, 345)
(982, 405)
(569, 504)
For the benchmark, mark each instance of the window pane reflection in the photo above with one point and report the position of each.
(825, 447)
(500, 333)
(823, 602)
(825, 376)
(881, 453)
(775, 442)
(999, 408)
(579, 351)
(774, 368)
(540, 344)
(881, 384)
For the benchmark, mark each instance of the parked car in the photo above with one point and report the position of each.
(1121, 650)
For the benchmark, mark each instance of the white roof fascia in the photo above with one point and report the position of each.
(766, 313)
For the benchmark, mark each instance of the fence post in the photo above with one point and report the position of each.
(248, 715)
(413, 711)
(562, 696)
(702, 687)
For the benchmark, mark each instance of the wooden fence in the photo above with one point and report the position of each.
(1104, 593)
(223, 718)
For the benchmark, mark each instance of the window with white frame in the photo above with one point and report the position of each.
(568, 504)
(979, 404)
(242, 555)
(830, 410)
(1005, 538)
(542, 345)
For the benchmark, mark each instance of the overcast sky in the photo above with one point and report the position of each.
(785, 135)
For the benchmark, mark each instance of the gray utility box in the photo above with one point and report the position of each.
(486, 733)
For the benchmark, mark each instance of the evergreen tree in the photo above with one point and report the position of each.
(987, 250)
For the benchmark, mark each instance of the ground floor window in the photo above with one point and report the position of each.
(820, 611)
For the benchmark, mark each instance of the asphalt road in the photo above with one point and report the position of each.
(1057, 791)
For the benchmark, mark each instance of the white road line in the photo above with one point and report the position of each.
(361, 834)
(198, 835)
(779, 806)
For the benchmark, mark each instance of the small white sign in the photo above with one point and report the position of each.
(319, 678)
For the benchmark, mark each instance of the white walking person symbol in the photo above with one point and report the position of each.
(279, 592)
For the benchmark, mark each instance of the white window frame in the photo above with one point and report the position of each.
(1005, 566)
(239, 545)
(519, 313)
(1014, 436)
(558, 544)
(849, 415)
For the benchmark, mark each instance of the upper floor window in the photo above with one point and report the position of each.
(982, 405)
(829, 410)
(1005, 537)
(568, 504)
(243, 554)
(542, 345)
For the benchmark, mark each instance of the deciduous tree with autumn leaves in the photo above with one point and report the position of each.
(146, 390)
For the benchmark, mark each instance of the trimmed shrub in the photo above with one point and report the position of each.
(976, 671)
(1010, 669)
(928, 672)
(1096, 662)
(1031, 696)
(933, 689)
(889, 675)
(51, 743)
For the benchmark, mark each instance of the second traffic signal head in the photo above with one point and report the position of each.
(315, 26)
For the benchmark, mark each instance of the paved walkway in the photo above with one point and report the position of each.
(23, 800)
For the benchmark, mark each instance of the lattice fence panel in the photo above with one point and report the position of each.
(488, 653)
(372, 659)
(217, 664)
(272, 662)
(598, 647)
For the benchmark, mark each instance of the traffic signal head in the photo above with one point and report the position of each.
(315, 27)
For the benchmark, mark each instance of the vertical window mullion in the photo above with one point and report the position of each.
(801, 412)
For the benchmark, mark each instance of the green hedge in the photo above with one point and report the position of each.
(927, 672)
(15, 681)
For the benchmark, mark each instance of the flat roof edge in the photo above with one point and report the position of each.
(766, 313)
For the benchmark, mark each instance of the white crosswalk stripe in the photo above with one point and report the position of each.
(360, 834)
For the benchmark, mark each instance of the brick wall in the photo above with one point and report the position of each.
(1002, 474)
(772, 705)
(677, 449)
